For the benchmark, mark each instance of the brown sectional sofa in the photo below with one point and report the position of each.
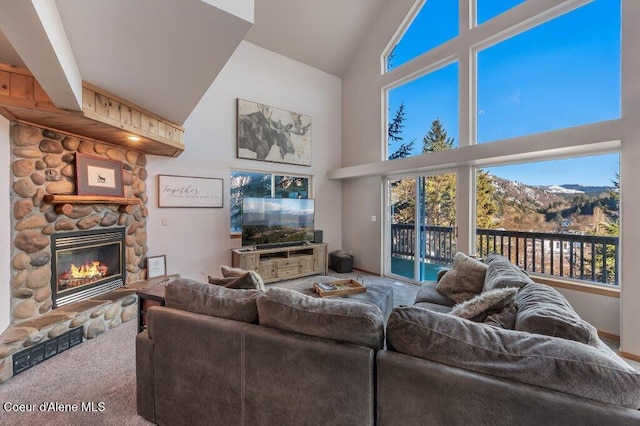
(199, 369)
(294, 360)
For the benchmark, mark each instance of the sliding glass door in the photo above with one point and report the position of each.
(420, 225)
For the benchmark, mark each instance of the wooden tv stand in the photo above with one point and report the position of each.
(282, 263)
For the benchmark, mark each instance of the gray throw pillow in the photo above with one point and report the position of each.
(494, 300)
(245, 281)
(501, 274)
(533, 359)
(223, 282)
(506, 318)
(254, 278)
(464, 280)
(213, 300)
(543, 310)
(341, 320)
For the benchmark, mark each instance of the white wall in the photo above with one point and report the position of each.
(629, 177)
(364, 139)
(198, 239)
(241, 8)
(5, 224)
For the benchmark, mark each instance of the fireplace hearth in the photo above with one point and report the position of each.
(86, 264)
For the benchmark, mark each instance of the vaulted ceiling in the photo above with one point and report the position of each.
(164, 54)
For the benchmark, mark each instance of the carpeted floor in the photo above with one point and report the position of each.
(102, 371)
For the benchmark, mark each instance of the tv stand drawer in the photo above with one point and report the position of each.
(285, 263)
(288, 272)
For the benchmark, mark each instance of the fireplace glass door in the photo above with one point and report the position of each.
(86, 265)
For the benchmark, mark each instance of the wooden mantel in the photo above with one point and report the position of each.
(64, 203)
(104, 116)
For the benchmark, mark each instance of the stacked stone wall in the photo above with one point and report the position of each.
(43, 162)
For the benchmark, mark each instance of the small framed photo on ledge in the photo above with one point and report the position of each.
(156, 266)
(98, 176)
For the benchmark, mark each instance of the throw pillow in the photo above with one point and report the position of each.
(246, 281)
(223, 282)
(501, 273)
(506, 318)
(340, 320)
(464, 280)
(533, 359)
(213, 300)
(255, 278)
(494, 300)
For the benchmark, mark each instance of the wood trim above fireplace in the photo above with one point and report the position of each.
(104, 116)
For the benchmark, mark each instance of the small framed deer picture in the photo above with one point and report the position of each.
(266, 133)
(98, 176)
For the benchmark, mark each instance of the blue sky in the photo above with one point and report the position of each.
(560, 74)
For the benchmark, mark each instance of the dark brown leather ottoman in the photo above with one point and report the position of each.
(376, 294)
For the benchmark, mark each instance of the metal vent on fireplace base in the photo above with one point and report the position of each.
(34, 355)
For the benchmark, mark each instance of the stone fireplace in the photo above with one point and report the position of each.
(69, 265)
(43, 163)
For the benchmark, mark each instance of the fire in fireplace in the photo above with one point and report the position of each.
(86, 263)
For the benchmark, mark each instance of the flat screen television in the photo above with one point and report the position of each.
(276, 221)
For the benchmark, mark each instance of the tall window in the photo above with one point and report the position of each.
(435, 23)
(563, 73)
(420, 107)
(263, 185)
(487, 9)
(558, 217)
(545, 77)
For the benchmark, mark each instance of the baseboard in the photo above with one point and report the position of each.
(608, 335)
(632, 357)
(367, 272)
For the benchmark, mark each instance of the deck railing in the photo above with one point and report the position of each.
(584, 257)
(438, 242)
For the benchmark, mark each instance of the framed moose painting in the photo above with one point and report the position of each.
(266, 133)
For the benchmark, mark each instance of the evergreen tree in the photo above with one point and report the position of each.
(440, 200)
(403, 201)
(403, 191)
(394, 135)
(436, 139)
(610, 228)
(486, 205)
(440, 190)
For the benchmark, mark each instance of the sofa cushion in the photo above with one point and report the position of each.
(429, 294)
(494, 300)
(341, 320)
(532, 359)
(543, 310)
(464, 280)
(501, 274)
(213, 300)
(253, 280)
